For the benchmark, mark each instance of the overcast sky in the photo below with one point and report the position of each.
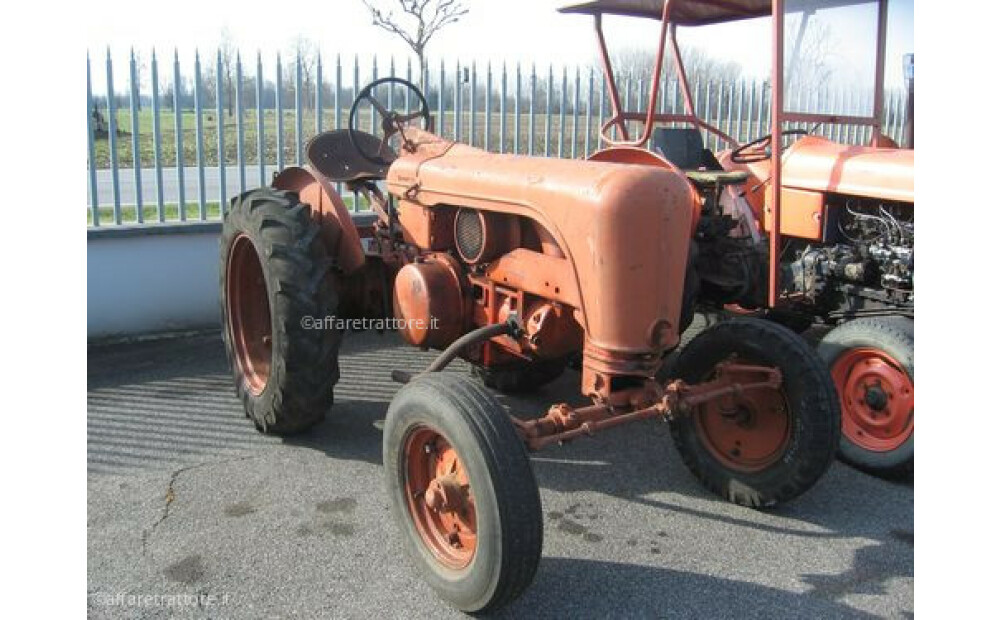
(494, 30)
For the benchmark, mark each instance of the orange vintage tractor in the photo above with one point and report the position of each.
(845, 253)
(515, 264)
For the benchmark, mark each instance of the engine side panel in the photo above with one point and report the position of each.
(625, 230)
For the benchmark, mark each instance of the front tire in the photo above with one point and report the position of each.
(462, 491)
(871, 360)
(774, 444)
(275, 282)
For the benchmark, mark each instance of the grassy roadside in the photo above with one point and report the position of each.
(171, 212)
(210, 127)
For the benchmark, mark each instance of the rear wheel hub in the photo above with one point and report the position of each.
(249, 314)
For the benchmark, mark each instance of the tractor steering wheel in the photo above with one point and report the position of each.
(392, 121)
(760, 149)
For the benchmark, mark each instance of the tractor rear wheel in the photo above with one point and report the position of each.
(276, 287)
(462, 491)
(779, 441)
(871, 360)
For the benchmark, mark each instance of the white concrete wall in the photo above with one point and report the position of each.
(155, 278)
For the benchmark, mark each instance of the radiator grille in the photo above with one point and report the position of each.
(469, 235)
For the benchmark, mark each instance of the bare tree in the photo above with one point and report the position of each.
(418, 21)
(226, 83)
(698, 64)
(810, 62)
(307, 52)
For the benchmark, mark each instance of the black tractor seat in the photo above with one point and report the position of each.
(683, 147)
(709, 179)
(333, 155)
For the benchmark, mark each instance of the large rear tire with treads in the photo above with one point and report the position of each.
(276, 286)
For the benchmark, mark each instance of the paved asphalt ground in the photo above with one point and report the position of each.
(185, 498)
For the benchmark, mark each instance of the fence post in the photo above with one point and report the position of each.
(319, 93)
(600, 110)
(729, 108)
(739, 112)
(708, 111)
(336, 108)
(298, 108)
(113, 141)
(336, 96)
(157, 162)
(548, 112)
(371, 108)
(133, 99)
(240, 162)
(439, 125)
(576, 113)
(503, 107)
(91, 164)
(406, 94)
(472, 104)
(279, 116)
(456, 114)
(179, 139)
(562, 112)
(487, 106)
(220, 125)
(261, 171)
(517, 109)
(589, 110)
(531, 111)
(199, 144)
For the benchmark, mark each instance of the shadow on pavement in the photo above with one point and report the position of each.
(576, 588)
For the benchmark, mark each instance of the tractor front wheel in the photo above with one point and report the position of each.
(276, 289)
(462, 491)
(768, 445)
(871, 360)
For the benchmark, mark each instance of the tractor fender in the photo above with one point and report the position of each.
(336, 226)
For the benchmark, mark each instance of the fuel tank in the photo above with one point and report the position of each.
(625, 229)
(814, 163)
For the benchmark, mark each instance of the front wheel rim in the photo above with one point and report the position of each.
(249, 314)
(439, 497)
(876, 399)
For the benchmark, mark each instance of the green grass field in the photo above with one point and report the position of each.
(171, 212)
(748, 128)
(210, 125)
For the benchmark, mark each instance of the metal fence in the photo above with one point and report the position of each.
(180, 152)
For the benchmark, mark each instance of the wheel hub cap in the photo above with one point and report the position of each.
(876, 399)
(441, 502)
(749, 432)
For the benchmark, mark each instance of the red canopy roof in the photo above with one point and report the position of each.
(684, 12)
(694, 12)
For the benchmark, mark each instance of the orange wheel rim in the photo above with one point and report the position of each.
(249, 314)
(876, 399)
(749, 432)
(439, 498)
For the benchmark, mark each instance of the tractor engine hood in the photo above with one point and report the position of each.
(818, 164)
(625, 229)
